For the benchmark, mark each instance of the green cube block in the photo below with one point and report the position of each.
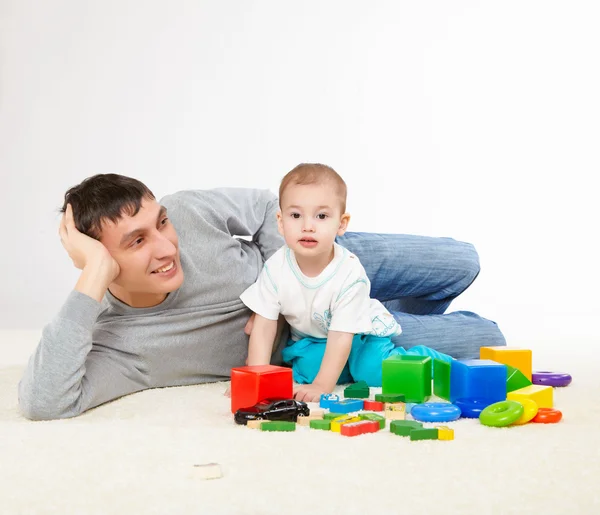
(278, 425)
(424, 434)
(410, 375)
(404, 427)
(358, 390)
(441, 378)
(373, 416)
(381, 397)
(320, 424)
(331, 416)
(515, 379)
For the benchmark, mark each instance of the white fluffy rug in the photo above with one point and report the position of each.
(137, 455)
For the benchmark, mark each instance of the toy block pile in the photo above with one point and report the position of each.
(499, 389)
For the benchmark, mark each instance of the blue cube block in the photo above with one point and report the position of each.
(346, 406)
(327, 399)
(477, 378)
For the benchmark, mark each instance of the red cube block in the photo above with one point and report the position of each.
(250, 385)
(359, 428)
(373, 405)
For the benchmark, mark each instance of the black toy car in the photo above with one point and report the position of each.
(273, 409)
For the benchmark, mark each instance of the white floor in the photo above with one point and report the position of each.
(137, 455)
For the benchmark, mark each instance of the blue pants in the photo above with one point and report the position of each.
(416, 278)
(364, 362)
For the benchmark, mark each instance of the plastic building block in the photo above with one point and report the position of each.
(331, 415)
(541, 395)
(395, 411)
(346, 406)
(478, 378)
(316, 412)
(396, 397)
(445, 433)
(407, 375)
(278, 425)
(327, 399)
(305, 421)
(254, 424)
(358, 390)
(515, 379)
(518, 358)
(374, 417)
(359, 428)
(404, 427)
(373, 405)
(322, 424)
(250, 385)
(337, 423)
(430, 433)
(441, 378)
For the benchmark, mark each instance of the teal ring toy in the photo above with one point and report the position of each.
(501, 414)
(435, 412)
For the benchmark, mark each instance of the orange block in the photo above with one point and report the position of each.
(518, 358)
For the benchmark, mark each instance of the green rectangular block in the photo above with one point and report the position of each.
(331, 416)
(395, 397)
(441, 378)
(408, 374)
(424, 434)
(373, 416)
(358, 390)
(404, 427)
(320, 424)
(278, 425)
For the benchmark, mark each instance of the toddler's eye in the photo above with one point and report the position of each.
(322, 216)
(295, 215)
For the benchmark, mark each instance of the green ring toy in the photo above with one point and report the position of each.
(501, 414)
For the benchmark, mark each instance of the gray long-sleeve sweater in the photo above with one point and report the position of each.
(92, 352)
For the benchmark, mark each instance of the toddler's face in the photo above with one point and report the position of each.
(311, 218)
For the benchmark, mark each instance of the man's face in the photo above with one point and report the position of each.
(146, 248)
(311, 218)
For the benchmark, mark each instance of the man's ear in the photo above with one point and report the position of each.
(280, 222)
(344, 221)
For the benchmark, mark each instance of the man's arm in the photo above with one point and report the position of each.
(336, 355)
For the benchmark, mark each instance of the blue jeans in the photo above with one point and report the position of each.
(416, 278)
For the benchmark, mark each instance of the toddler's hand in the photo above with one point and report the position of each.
(308, 392)
(227, 392)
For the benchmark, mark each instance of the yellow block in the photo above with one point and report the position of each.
(445, 433)
(395, 410)
(541, 395)
(518, 358)
(336, 423)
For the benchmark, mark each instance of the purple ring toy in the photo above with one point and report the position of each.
(546, 378)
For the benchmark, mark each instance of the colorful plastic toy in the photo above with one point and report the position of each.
(273, 409)
(278, 425)
(322, 424)
(477, 378)
(445, 433)
(541, 395)
(472, 408)
(515, 379)
(374, 405)
(407, 375)
(557, 379)
(250, 385)
(358, 390)
(331, 415)
(404, 427)
(374, 417)
(501, 414)
(435, 412)
(441, 378)
(337, 423)
(430, 433)
(346, 406)
(547, 416)
(396, 397)
(518, 358)
(395, 411)
(530, 410)
(359, 428)
(327, 398)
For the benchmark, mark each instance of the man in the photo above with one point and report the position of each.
(157, 302)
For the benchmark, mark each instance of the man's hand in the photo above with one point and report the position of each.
(309, 392)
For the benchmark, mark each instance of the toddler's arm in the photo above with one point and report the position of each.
(261, 341)
(336, 355)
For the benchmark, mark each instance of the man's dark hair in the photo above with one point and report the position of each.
(104, 197)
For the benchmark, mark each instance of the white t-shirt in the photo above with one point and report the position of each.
(337, 299)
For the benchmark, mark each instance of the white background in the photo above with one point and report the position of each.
(470, 119)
